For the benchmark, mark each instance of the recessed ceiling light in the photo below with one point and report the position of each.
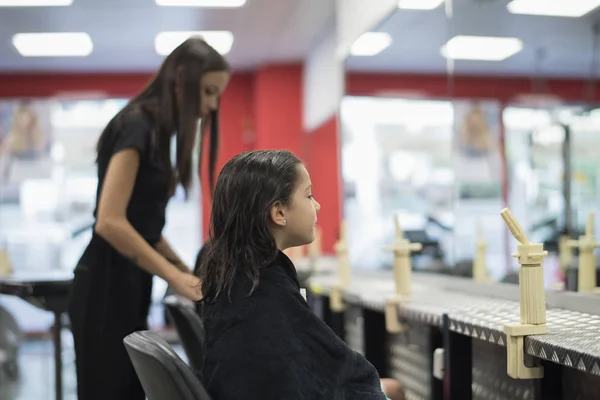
(481, 48)
(419, 4)
(166, 42)
(370, 44)
(201, 3)
(54, 44)
(35, 3)
(553, 8)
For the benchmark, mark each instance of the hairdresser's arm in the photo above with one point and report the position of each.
(113, 226)
(165, 249)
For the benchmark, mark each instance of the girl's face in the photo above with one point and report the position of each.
(297, 220)
(212, 86)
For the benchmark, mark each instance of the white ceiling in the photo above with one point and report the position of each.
(123, 32)
(419, 35)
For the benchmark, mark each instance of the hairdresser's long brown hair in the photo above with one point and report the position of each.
(187, 63)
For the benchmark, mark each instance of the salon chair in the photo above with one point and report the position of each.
(189, 328)
(163, 375)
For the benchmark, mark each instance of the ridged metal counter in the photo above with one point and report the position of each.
(478, 311)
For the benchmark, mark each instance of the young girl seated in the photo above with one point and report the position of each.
(262, 340)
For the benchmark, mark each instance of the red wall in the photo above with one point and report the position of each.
(278, 107)
(49, 85)
(501, 88)
(321, 155)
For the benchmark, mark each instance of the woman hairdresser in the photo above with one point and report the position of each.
(136, 178)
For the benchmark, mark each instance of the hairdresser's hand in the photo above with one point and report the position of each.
(187, 285)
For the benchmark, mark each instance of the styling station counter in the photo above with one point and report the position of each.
(455, 338)
(466, 319)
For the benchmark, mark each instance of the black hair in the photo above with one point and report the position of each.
(188, 62)
(200, 256)
(240, 239)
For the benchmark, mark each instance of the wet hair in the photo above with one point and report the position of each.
(200, 256)
(240, 240)
(187, 63)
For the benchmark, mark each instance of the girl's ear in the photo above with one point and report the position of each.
(277, 214)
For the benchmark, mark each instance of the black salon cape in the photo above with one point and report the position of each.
(271, 346)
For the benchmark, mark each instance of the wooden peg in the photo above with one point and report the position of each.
(336, 300)
(315, 249)
(402, 249)
(398, 228)
(565, 252)
(480, 273)
(514, 227)
(6, 268)
(392, 322)
(532, 301)
(586, 277)
(341, 249)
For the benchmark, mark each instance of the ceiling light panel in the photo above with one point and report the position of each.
(35, 3)
(202, 3)
(553, 8)
(53, 44)
(166, 42)
(419, 4)
(370, 44)
(481, 48)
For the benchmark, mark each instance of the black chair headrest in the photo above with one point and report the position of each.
(162, 373)
(189, 328)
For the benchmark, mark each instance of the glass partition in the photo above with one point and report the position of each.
(397, 160)
(48, 182)
(536, 142)
(585, 141)
(534, 145)
(478, 167)
(48, 178)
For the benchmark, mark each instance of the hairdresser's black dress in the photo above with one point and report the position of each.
(271, 346)
(111, 295)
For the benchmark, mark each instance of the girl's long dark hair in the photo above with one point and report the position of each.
(240, 241)
(190, 60)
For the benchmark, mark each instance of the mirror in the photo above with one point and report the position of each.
(457, 109)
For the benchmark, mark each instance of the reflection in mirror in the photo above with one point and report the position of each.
(48, 182)
(456, 109)
(396, 160)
